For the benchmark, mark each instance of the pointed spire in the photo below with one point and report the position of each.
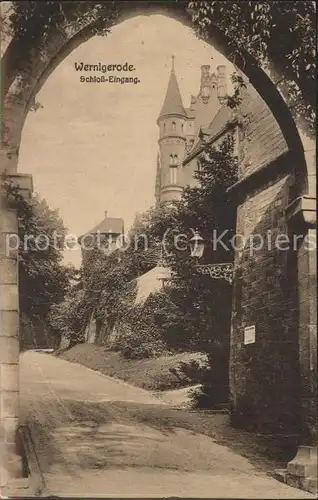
(173, 101)
(172, 65)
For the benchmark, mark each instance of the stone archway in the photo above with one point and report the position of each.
(23, 79)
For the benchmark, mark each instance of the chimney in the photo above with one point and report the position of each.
(221, 83)
(105, 214)
(205, 76)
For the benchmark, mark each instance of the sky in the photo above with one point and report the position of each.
(93, 147)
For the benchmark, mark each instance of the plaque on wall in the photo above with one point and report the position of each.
(249, 334)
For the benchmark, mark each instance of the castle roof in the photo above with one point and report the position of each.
(173, 102)
(190, 112)
(222, 120)
(110, 225)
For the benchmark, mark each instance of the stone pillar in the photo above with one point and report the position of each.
(9, 347)
(302, 470)
(10, 465)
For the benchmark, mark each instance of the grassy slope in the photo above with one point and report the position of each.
(150, 374)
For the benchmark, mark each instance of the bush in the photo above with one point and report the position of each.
(213, 377)
(191, 370)
(133, 345)
(137, 333)
(68, 319)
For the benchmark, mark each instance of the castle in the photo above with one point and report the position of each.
(183, 136)
(272, 383)
(180, 129)
(183, 133)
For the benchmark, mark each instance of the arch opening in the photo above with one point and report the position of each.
(19, 102)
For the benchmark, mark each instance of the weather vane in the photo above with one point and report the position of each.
(172, 57)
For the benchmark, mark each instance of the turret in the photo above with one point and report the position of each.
(207, 102)
(158, 180)
(221, 83)
(172, 141)
(205, 77)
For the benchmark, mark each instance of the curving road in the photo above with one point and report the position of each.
(97, 436)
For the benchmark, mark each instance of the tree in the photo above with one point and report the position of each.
(197, 314)
(43, 279)
(106, 276)
(67, 319)
(193, 313)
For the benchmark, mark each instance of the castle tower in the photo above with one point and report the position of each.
(103, 237)
(209, 99)
(172, 143)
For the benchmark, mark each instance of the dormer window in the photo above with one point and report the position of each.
(174, 126)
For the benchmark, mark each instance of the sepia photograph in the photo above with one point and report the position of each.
(158, 283)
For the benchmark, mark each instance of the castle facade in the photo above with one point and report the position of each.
(180, 129)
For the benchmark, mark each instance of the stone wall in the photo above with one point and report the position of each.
(264, 374)
(262, 141)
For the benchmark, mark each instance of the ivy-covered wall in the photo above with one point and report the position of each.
(135, 332)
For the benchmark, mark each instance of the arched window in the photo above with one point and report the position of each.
(174, 126)
(164, 128)
(173, 160)
(173, 168)
(182, 127)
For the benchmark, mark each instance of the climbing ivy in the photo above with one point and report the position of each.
(31, 21)
(283, 32)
